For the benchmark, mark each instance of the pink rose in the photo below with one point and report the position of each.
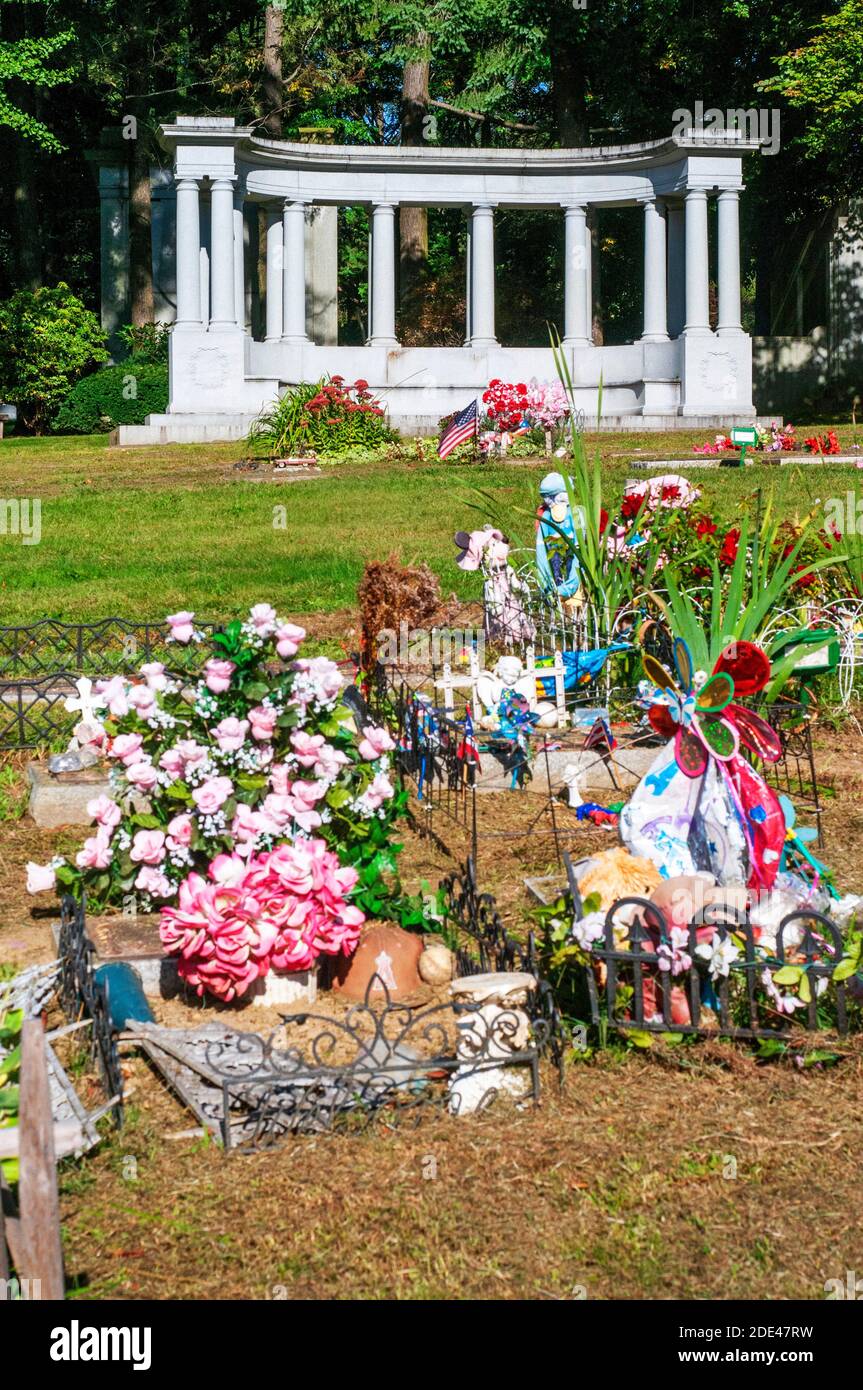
(105, 811)
(40, 878)
(142, 775)
(143, 701)
(374, 743)
(212, 794)
(95, 852)
(229, 869)
(230, 733)
(218, 675)
(154, 882)
(194, 754)
(181, 625)
(264, 618)
(263, 722)
(280, 779)
(379, 791)
(180, 832)
(148, 847)
(154, 674)
(114, 692)
(288, 639)
(307, 747)
(127, 747)
(172, 762)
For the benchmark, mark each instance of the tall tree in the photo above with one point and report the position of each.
(413, 221)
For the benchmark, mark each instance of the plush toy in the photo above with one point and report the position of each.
(702, 806)
(615, 873)
(488, 549)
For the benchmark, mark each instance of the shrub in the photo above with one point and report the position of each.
(327, 418)
(48, 341)
(147, 342)
(123, 395)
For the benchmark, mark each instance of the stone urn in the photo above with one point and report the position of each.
(385, 951)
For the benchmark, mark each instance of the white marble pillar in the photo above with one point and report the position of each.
(728, 259)
(482, 277)
(188, 255)
(577, 310)
(222, 315)
(239, 263)
(697, 300)
(382, 281)
(655, 312)
(588, 279)
(468, 261)
(294, 279)
(275, 267)
(676, 268)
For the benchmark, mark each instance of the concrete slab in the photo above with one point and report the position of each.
(63, 800)
(628, 764)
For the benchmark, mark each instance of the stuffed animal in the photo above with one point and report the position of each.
(505, 616)
(615, 873)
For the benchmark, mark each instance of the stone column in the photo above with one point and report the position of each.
(676, 269)
(588, 279)
(655, 320)
(697, 301)
(576, 313)
(482, 277)
(728, 257)
(294, 300)
(239, 263)
(188, 255)
(222, 314)
(468, 312)
(275, 267)
(382, 287)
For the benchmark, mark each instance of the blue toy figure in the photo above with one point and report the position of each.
(557, 540)
(516, 722)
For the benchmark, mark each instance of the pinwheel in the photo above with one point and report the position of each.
(721, 816)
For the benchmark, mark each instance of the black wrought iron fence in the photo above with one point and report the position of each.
(105, 647)
(713, 977)
(82, 996)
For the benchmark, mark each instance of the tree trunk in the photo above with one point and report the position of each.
(272, 88)
(140, 227)
(569, 84)
(413, 222)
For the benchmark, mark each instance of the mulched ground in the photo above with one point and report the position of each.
(689, 1172)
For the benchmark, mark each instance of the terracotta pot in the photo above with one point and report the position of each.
(386, 951)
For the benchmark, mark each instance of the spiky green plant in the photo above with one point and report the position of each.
(741, 605)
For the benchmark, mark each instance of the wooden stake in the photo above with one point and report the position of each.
(41, 1250)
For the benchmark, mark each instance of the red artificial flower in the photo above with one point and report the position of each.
(603, 520)
(728, 553)
(632, 504)
(670, 491)
(704, 527)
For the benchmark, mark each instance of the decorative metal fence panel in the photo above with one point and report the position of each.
(82, 996)
(717, 981)
(104, 647)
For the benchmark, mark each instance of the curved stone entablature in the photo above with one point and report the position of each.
(680, 368)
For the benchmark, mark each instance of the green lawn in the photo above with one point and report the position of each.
(141, 532)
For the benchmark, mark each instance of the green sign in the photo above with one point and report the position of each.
(744, 434)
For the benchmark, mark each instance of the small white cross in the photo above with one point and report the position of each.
(87, 702)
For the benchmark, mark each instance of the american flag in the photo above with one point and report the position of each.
(460, 428)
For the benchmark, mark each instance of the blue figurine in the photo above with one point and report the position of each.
(557, 541)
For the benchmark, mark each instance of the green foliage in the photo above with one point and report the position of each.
(48, 341)
(121, 395)
(10, 1069)
(824, 80)
(28, 62)
(147, 342)
(328, 418)
(760, 581)
(277, 431)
